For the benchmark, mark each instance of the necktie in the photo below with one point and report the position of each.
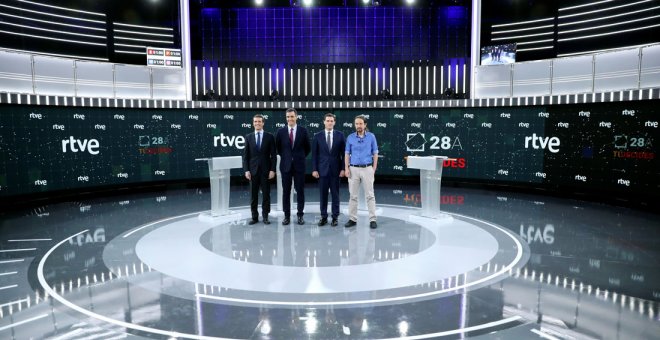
(327, 140)
(291, 137)
(258, 141)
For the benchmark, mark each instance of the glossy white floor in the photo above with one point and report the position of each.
(493, 266)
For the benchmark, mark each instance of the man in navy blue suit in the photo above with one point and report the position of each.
(292, 144)
(328, 166)
(259, 165)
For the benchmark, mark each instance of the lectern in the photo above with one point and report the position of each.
(430, 176)
(219, 173)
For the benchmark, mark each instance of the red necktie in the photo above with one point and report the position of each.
(291, 136)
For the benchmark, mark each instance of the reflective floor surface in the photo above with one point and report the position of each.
(494, 265)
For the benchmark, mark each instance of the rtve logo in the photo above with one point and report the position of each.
(231, 141)
(80, 145)
(551, 143)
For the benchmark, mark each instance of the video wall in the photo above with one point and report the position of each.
(604, 146)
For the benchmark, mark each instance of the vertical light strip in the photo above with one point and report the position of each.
(277, 79)
(327, 74)
(233, 80)
(419, 80)
(263, 81)
(226, 81)
(348, 82)
(334, 83)
(284, 81)
(412, 80)
(362, 81)
(398, 81)
(196, 82)
(434, 70)
(341, 82)
(248, 81)
(369, 82)
(448, 75)
(464, 76)
(270, 80)
(442, 79)
(405, 80)
(383, 78)
(203, 79)
(456, 75)
(391, 87)
(298, 82)
(475, 41)
(313, 83)
(219, 82)
(427, 80)
(184, 23)
(211, 76)
(355, 81)
(256, 82)
(291, 79)
(306, 83)
(377, 82)
(240, 81)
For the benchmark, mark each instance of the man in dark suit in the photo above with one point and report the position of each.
(259, 159)
(328, 166)
(292, 144)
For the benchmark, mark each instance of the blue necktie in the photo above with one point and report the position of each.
(258, 141)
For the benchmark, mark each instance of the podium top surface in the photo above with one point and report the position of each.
(218, 163)
(426, 162)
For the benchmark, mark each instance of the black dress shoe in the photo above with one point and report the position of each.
(323, 221)
(300, 220)
(373, 225)
(350, 223)
(253, 221)
(286, 221)
(334, 222)
(266, 221)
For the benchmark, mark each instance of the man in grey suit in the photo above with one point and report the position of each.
(259, 160)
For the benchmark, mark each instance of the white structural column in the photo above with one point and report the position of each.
(475, 55)
(184, 23)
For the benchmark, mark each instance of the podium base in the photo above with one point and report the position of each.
(228, 217)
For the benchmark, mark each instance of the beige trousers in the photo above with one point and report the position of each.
(364, 177)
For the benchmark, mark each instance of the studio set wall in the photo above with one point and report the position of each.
(590, 147)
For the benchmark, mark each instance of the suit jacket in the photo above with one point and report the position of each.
(292, 156)
(264, 159)
(328, 161)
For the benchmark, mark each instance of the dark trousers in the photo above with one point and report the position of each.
(260, 181)
(298, 179)
(330, 182)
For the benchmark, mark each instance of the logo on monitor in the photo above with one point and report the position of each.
(415, 141)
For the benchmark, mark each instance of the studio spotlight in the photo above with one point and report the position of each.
(449, 93)
(366, 2)
(259, 2)
(410, 2)
(385, 94)
(275, 96)
(307, 3)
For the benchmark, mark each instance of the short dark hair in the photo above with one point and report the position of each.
(329, 114)
(258, 115)
(364, 119)
(291, 110)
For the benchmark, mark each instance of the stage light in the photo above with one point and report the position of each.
(366, 2)
(307, 3)
(258, 2)
(410, 2)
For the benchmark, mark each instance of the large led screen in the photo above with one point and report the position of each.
(604, 146)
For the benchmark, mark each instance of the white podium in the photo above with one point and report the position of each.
(219, 173)
(430, 176)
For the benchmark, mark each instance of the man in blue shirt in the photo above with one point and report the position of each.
(360, 163)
